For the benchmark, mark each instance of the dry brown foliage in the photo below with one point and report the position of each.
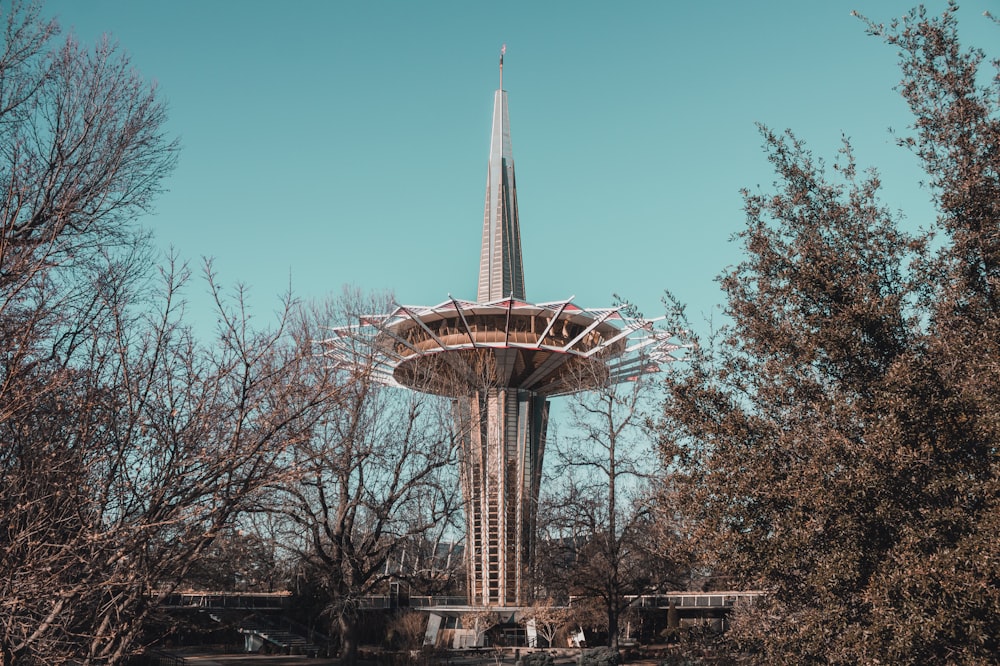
(837, 443)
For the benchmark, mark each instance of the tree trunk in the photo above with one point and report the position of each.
(612, 627)
(348, 639)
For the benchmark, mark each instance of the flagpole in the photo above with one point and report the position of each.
(503, 49)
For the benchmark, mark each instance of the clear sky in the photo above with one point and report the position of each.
(333, 142)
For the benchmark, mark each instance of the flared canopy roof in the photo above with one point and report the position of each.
(458, 347)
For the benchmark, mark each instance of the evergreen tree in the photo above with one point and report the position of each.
(837, 441)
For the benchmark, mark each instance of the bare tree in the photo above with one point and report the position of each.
(128, 445)
(376, 474)
(82, 152)
(479, 621)
(406, 630)
(548, 618)
(600, 502)
(431, 563)
(131, 461)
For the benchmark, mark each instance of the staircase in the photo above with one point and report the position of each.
(282, 636)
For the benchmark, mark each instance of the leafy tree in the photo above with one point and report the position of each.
(836, 443)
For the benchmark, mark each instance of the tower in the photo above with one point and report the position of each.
(499, 359)
(501, 425)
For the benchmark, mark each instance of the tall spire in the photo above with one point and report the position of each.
(500, 270)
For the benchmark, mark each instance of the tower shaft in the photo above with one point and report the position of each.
(503, 437)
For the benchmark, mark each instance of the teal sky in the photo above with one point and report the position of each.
(334, 142)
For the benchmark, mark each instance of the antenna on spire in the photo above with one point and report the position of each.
(503, 49)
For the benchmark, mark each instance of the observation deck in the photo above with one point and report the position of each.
(460, 347)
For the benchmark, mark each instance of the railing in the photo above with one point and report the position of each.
(221, 600)
(160, 658)
(708, 600)
(718, 600)
(389, 601)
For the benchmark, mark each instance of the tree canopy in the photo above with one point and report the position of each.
(836, 442)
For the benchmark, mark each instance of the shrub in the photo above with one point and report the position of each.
(537, 659)
(602, 656)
